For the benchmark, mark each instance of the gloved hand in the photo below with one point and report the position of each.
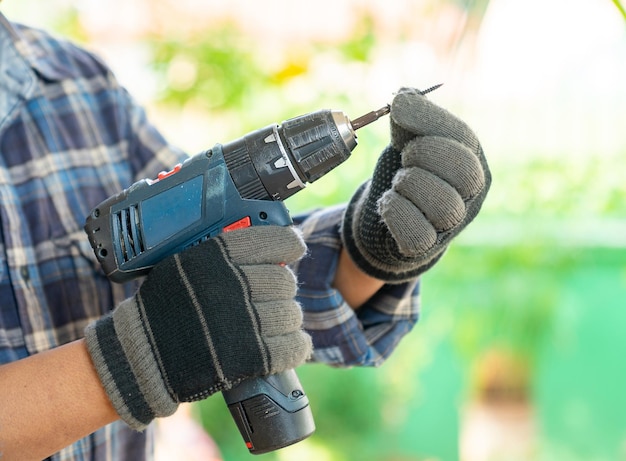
(203, 320)
(428, 184)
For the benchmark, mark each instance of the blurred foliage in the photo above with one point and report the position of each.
(220, 68)
(215, 69)
(586, 187)
(504, 299)
(70, 25)
(620, 8)
(362, 41)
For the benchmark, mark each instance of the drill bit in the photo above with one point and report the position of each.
(370, 117)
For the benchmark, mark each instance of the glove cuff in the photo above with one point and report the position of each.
(127, 368)
(389, 272)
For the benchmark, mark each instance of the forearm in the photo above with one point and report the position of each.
(355, 286)
(49, 401)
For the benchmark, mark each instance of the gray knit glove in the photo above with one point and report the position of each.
(203, 320)
(428, 184)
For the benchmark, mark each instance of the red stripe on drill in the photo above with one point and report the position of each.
(243, 222)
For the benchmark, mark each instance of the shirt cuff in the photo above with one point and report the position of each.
(341, 336)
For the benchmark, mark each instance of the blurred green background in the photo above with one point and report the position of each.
(519, 351)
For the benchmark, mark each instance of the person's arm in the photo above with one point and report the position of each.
(353, 318)
(355, 286)
(50, 400)
(65, 399)
(144, 357)
(359, 283)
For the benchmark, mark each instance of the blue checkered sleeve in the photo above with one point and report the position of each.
(341, 335)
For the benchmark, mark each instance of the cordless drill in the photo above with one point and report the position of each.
(234, 185)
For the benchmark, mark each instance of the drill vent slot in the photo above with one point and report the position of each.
(128, 233)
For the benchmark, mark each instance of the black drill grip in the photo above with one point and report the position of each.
(270, 412)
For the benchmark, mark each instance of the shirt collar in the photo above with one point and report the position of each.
(16, 74)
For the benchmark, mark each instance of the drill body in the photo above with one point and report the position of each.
(238, 184)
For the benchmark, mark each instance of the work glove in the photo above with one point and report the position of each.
(427, 186)
(202, 321)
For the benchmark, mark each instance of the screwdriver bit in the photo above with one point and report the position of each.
(370, 117)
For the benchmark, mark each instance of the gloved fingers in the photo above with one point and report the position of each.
(410, 229)
(264, 245)
(414, 115)
(277, 318)
(448, 159)
(288, 351)
(270, 282)
(437, 200)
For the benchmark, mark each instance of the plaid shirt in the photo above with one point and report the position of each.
(70, 137)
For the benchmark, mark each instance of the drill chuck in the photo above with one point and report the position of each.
(277, 161)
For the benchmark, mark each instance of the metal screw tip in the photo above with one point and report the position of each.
(432, 88)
